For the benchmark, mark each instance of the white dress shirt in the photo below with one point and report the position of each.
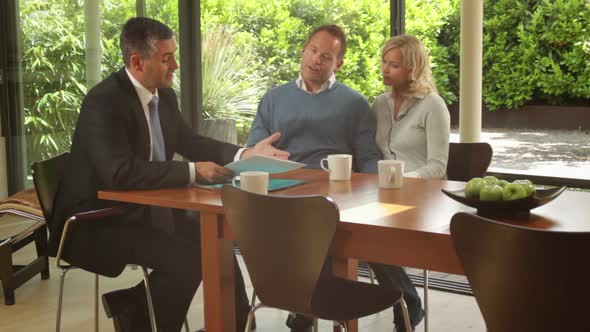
(325, 86)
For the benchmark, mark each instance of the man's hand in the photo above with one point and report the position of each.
(209, 172)
(265, 148)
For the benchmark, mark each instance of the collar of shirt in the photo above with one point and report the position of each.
(326, 86)
(405, 107)
(144, 94)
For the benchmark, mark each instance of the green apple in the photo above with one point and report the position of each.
(490, 180)
(523, 181)
(503, 183)
(491, 193)
(514, 191)
(530, 189)
(473, 187)
(528, 186)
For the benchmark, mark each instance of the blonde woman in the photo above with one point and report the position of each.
(413, 122)
(413, 125)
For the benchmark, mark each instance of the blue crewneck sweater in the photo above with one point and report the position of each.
(313, 126)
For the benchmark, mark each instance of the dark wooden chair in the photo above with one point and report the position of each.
(284, 242)
(24, 204)
(468, 160)
(46, 176)
(525, 280)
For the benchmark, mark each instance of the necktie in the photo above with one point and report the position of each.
(161, 217)
(158, 149)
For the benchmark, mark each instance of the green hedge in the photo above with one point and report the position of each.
(535, 52)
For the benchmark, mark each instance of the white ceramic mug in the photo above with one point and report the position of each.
(391, 173)
(255, 182)
(339, 166)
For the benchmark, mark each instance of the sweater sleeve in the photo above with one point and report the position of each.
(261, 124)
(437, 143)
(365, 148)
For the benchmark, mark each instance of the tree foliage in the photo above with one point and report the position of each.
(53, 68)
(535, 51)
(277, 30)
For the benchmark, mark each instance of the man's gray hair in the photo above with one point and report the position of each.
(140, 34)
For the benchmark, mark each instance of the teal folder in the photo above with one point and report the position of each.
(273, 184)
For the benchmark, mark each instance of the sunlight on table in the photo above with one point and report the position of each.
(375, 210)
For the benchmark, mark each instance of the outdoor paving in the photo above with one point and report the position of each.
(558, 153)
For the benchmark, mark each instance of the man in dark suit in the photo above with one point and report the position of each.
(127, 132)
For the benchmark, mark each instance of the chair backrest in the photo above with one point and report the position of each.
(46, 177)
(284, 242)
(525, 280)
(468, 160)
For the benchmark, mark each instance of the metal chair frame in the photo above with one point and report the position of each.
(65, 268)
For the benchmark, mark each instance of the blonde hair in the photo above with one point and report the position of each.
(416, 60)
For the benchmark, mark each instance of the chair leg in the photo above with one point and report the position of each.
(253, 302)
(186, 328)
(42, 252)
(96, 303)
(406, 314)
(251, 316)
(316, 326)
(343, 325)
(7, 274)
(149, 300)
(62, 279)
(426, 301)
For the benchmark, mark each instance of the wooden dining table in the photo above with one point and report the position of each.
(408, 227)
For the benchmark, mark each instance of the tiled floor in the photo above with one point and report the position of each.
(36, 303)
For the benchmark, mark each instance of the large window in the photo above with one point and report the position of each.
(536, 87)
(65, 48)
(532, 55)
(536, 79)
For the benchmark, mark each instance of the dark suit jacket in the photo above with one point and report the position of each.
(111, 149)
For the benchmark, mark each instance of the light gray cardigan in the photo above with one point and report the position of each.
(420, 136)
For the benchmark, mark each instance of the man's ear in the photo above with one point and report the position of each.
(339, 64)
(136, 62)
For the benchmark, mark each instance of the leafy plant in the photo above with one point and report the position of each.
(53, 75)
(232, 83)
(53, 66)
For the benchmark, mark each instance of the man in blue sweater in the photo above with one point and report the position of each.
(318, 116)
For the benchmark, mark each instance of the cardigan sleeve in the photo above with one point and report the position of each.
(437, 143)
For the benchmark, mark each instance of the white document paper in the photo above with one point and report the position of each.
(263, 164)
